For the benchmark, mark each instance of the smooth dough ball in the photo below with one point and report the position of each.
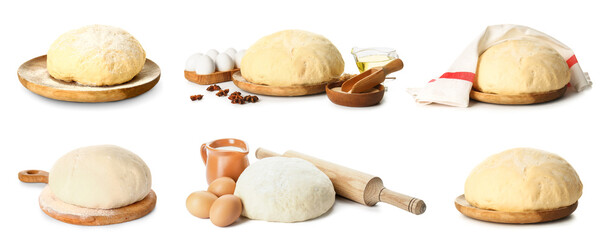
(103, 176)
(280, 189)
(291, 58)
(95, 55)
(523, 179)
(521, 66)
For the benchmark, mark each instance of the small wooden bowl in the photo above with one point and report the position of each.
(213, 78)
(512, 217)
(354, 99)
(521, 99)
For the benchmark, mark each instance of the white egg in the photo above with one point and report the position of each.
(212, 54)
(231, 52)
(190, 64)
(224, 62)
(205, 65)
(239, 56)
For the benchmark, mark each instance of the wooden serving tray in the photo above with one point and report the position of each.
(72, 214)
(213, 78)
(512, 217)
(34, 76)
(521, 99)
(289, 91)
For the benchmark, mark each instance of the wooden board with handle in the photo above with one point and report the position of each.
(355, 185)
(72, 214)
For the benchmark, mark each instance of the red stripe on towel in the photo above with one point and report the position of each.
(465, 76)
(572, 61)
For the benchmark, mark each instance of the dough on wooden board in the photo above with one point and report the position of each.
(95, 55)
(281, 189)
(523, 179)
(521, 66)
(292, 58)
(102, 176)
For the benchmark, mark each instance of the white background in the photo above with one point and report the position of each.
(423, 151)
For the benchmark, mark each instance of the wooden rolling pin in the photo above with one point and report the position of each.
(355, 185)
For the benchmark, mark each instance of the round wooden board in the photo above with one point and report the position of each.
(213, 78)
(512, 217)
(72, 214)
(521, 99)
(34, 76)
(292, 91)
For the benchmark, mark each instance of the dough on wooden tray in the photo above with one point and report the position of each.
(103, 176)
(95, 55)
(523, 179)
(280, 189)
(292, 58)
(521, 66)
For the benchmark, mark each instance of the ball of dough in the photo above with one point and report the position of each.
(291, 58)
(103, 176)
(521, 66)
(95, 55)
(280, 189)
(523, 179)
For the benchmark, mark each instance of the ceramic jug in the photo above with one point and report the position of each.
(224, 158)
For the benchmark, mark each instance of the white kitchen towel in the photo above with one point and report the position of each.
(453, 87)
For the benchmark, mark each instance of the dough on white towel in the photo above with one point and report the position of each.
(280, 189)
(521, 66)
(523, 179)
(103, 176)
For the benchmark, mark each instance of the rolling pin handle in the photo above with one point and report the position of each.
(33, 176)
(410, 204)
(264, 153)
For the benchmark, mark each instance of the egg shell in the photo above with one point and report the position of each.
(190, 64)
(239, 56)
(224, 62)
(222, 186)
(200, 203)
(225, 210)
(205, 65)
(231, 52)
(212, 54)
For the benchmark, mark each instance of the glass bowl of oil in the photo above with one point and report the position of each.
(367, 58)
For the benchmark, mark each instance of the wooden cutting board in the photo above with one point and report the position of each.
(72, 214)
(289, 91)
(512, 217)
(522, 99)
(34, 76)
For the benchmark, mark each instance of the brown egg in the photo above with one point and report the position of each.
(225, 210)
(222, 186)
(199, 203)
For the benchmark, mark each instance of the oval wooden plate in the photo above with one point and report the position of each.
(290, 91)
(521, 99)
(213, 78)
(72, 214)
(34, 76)
(512, 217)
